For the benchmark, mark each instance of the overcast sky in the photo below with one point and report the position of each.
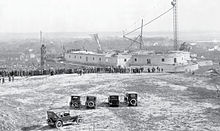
(105, 15)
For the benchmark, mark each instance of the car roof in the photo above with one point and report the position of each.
(90, 96)
(131, 92)
(75, 96)
(113, 95)
(58, 111)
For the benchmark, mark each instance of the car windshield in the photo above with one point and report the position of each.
(114, 97)
(61, 114)
(66, 114)
(75, 97)
(90, 98)
(132, 95)
(51, 114)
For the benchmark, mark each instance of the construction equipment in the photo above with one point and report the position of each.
(135, 40)
(96, 37)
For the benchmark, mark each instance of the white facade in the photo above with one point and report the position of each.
(172, 61)
(123, 60)
(152, 59)
(92, 58)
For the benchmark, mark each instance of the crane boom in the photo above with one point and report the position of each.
(96, 37)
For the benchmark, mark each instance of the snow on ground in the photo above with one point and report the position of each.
(166, 102)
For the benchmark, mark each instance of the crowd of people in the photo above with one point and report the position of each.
(3, 79)
(80, 71)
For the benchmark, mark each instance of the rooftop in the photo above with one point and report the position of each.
(86, 52)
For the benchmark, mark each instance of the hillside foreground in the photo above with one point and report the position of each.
(166, 102)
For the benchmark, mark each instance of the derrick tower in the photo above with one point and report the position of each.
(175, 25)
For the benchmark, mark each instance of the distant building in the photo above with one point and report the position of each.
(91, 58)
(173, 61)
(158, 59)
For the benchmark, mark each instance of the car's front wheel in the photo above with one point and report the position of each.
(50, 123)
(75, 104)
(133, 102)
(91, 104)
(59, 124)
(79, 120)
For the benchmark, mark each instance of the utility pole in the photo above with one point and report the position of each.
(41, 37)
(141, 36)
(43, 52)
(175, 25)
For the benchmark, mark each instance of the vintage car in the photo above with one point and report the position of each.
(90, 102)
(131, 98)
(75, 102)
(58, 119)
(113, 100)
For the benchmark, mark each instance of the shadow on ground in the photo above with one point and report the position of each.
(42, 128)
(36, 127)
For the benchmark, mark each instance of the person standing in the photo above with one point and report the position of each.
(13, 78)
(3, 80)
(9, 78)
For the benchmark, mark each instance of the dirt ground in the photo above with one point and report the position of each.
(168, 102)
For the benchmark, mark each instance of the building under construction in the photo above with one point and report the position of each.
(172, 61)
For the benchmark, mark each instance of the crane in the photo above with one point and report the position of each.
(174, 8)
(96, 37)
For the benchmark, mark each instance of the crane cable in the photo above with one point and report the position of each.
(150, 21)
(132, 42)
(133, 25)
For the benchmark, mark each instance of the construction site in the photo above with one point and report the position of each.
(176, 88)
(175, 60)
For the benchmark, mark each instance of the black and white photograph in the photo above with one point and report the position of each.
(109, 65)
